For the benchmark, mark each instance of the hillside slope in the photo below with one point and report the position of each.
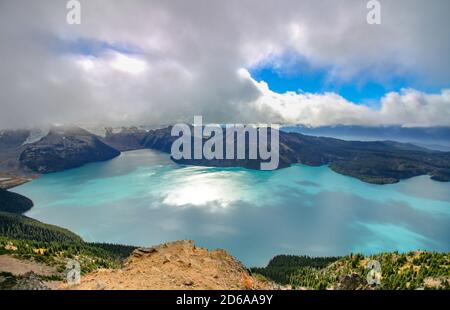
(21, 227)
(398, 271)
(19, 235)
(13, 202)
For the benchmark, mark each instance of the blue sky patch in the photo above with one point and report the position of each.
(294, 73)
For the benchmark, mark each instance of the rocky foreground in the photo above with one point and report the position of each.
(36, 265)
(175, 265)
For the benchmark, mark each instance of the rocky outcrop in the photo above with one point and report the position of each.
(175, 265)
(126, 139)
(26, 282)
(64, 148)
(351, 282)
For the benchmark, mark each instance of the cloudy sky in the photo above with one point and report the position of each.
(158, 62)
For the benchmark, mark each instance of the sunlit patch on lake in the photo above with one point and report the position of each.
(203, 187)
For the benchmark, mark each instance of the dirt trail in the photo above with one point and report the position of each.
(18, 267)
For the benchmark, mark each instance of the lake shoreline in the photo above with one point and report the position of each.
(142, 197)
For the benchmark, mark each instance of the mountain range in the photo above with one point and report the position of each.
(435, 138)
(377, 162)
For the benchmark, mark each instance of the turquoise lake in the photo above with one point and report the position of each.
(143, 198)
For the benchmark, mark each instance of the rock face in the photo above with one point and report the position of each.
(30, 281)
(126, 139)
(175, 265)
(65, 148)
(351, 282)
(25, 282)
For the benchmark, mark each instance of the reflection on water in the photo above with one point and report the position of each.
(143, 198)
(196, 187)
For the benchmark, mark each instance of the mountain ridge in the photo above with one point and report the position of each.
(377, 162)
(65, 148)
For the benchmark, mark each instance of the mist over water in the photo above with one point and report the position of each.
(143, 198)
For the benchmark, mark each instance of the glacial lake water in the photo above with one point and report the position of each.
(142, 198)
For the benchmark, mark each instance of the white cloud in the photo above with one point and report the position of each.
(128, 64)
(408, 108)
(414, 108)
(189, 53)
